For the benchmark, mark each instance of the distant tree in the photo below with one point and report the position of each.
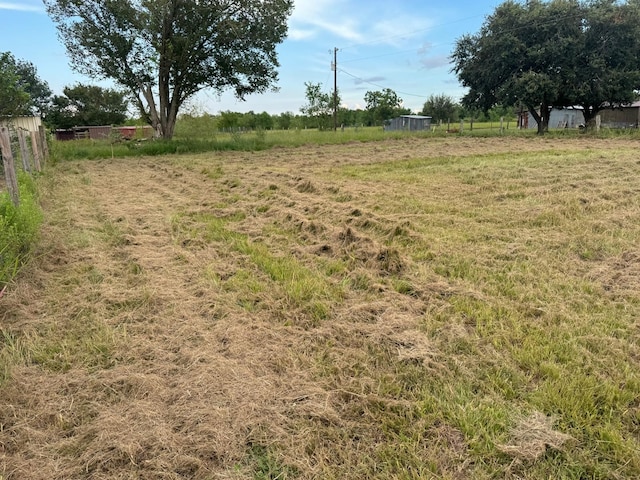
(88, 105)
(22, 92)
(553, 54)
(284, 120)
(174, 48)
(383, 105)
(229, 120)
(499, 111)
(264, 121)
(441, 108)
(319, 106)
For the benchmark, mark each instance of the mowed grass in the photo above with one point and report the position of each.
(541, 253)
(459, 313)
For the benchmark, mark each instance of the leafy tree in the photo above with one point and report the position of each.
(319, 105)
(229, 120)
(552, 54)
(38, 90)
(605, 65)
(264, 121)
(284, 120)
(174, 48)
(13, 98)
(88, 105)
(383, 105)
(22, 92)
(441, 108)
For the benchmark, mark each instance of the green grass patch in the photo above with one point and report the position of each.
(19, 228)
(302, 287)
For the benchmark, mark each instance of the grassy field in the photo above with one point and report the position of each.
(420, 307)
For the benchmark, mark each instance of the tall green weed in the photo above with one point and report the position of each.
(19, 227)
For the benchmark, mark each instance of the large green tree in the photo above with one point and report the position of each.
(383, 105)
(165, 51)
(552, 54)
(441, 108)
(22, 92)
(605, 66)
(88, 105)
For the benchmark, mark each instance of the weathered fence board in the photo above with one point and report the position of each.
(35, 148)
(24, 151)
(43, 144)
(9, 165)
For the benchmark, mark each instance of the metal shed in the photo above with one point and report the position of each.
(408, 123)
(626, 116)
(568, 117)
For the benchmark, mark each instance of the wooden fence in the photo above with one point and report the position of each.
(32, 149)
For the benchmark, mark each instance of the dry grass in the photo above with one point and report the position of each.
(422, 308)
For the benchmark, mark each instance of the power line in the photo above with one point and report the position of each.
(380, 86)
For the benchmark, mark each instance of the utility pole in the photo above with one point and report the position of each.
(334, 67)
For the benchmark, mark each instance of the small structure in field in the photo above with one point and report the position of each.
(409, 123)
(567, 117)
(625, 116)
(104, 132)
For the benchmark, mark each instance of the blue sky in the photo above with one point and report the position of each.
(402, 45)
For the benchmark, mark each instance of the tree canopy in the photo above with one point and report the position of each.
(541, 55)
(383, 105)
(441, 108)
(88, 105)
(319, 104)
(22, 92)
(171, 49)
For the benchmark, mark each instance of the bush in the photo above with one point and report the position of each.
(19, 227)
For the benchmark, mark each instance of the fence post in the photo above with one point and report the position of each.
(44, 145)
(9, 165)
(24, 151)
(36, 151)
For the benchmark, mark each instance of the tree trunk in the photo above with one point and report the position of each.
(545, 114)
(153, 111)
(539, 118)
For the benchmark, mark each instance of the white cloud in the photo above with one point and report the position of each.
(312, 18)
(376, 23)
(22, 7)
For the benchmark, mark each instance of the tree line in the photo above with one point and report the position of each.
(532, 55)
(23, 92)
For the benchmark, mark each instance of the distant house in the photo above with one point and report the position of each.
(409, 123)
